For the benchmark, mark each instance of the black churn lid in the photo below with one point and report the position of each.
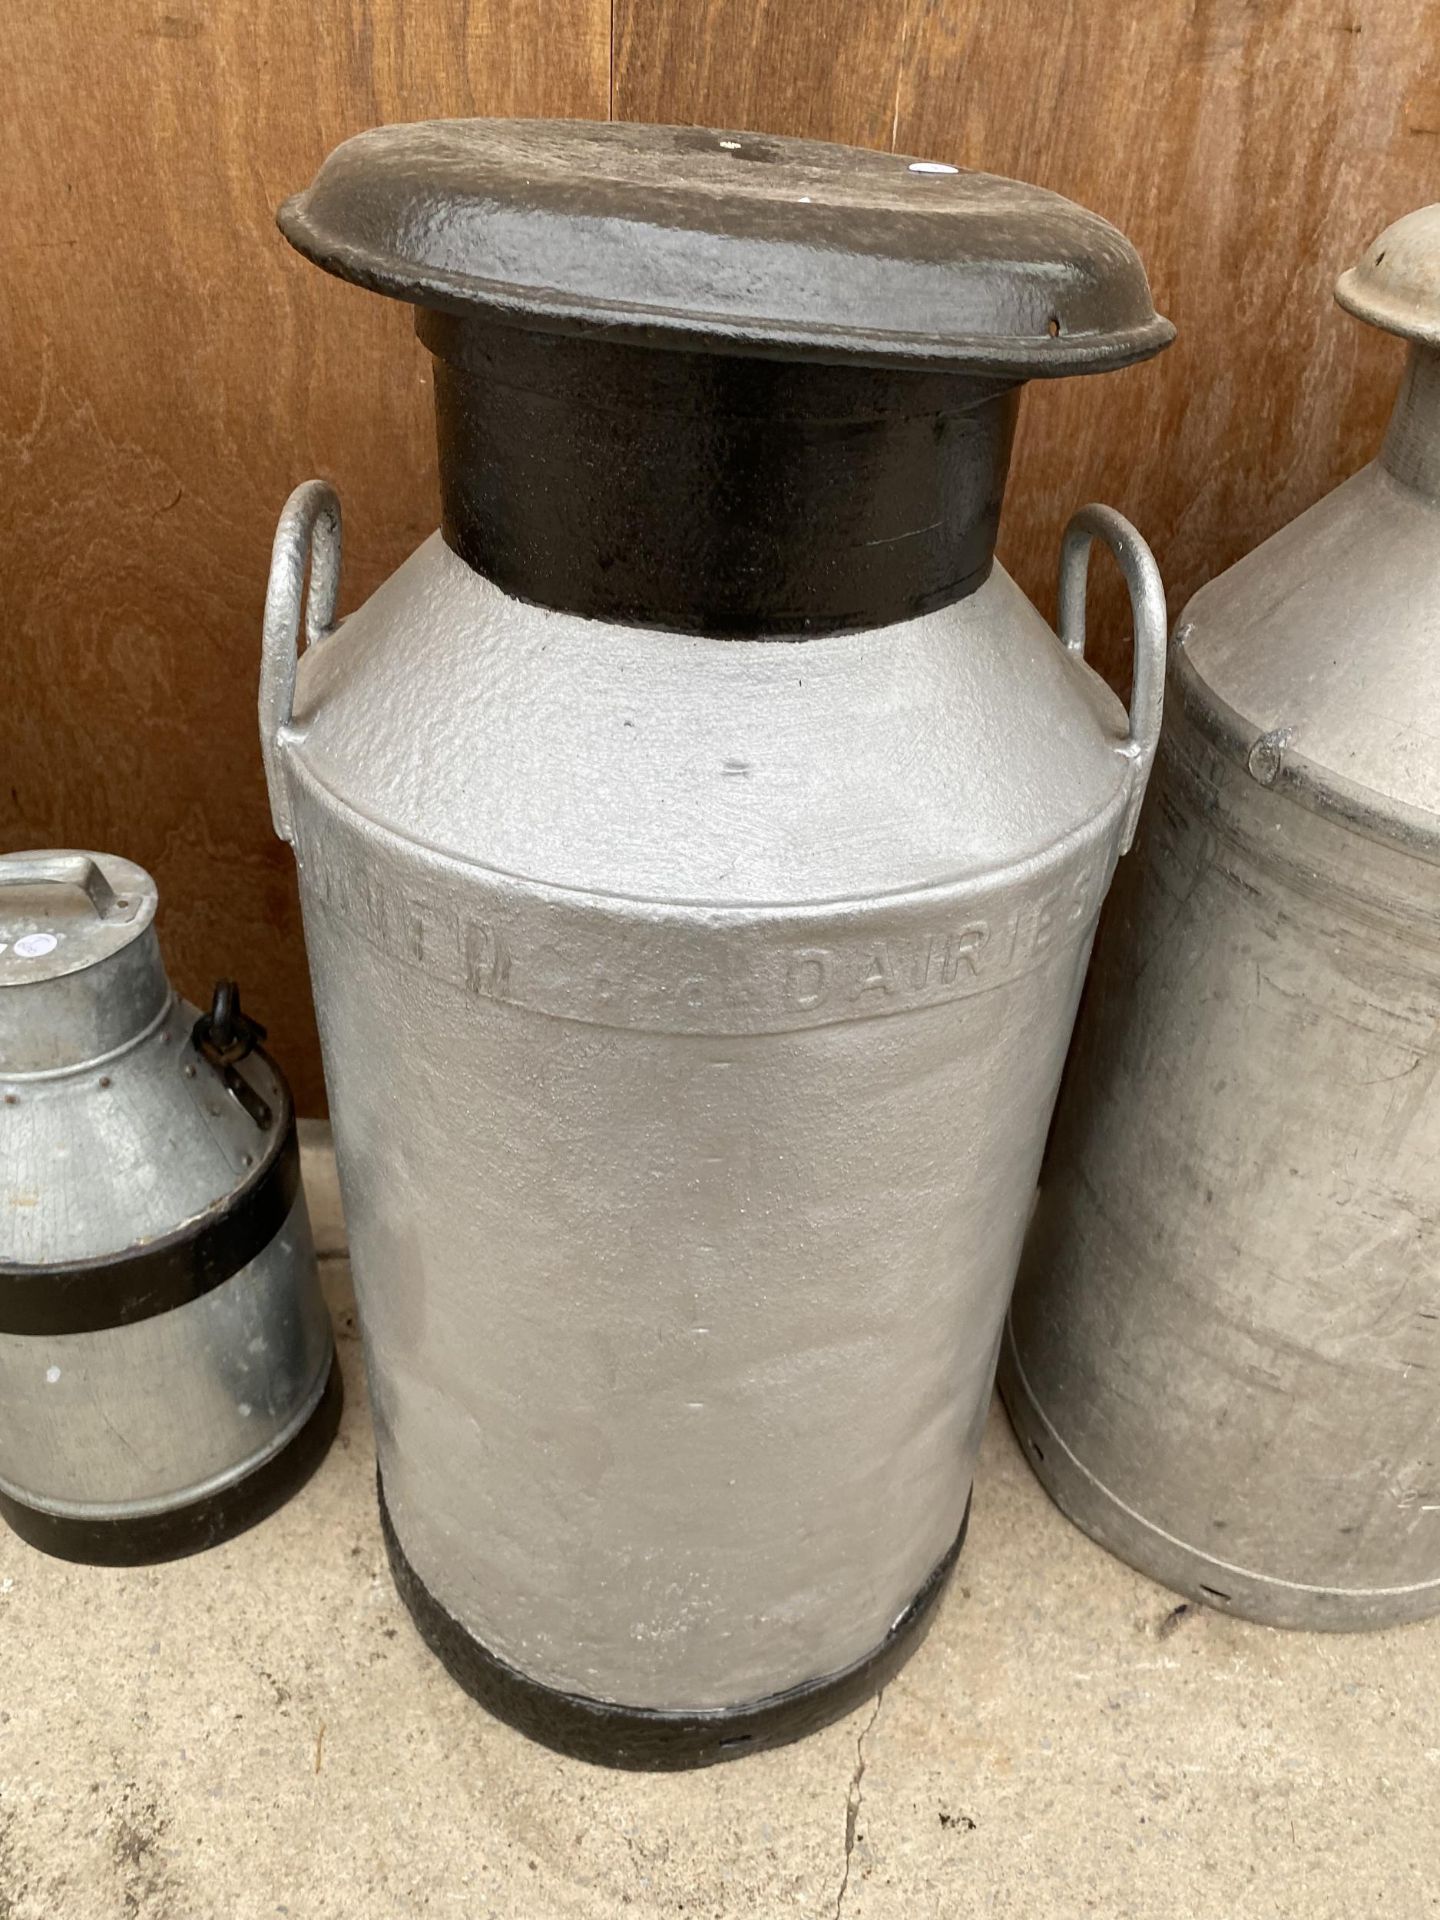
(823, 441)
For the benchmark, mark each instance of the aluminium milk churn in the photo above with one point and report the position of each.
(699, 841)
(1225, 1344)
(166, 1363)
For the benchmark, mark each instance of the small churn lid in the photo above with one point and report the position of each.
(64, 912)
(761, 245)
(1397, 284)
(80, 968)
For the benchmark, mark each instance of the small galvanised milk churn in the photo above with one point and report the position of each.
(1224, 1352)
(166, 1363)
(700, 840)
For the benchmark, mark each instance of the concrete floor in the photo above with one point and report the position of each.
(259, 1731)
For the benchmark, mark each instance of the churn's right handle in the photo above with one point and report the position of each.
(308, 534)
(1147, 611)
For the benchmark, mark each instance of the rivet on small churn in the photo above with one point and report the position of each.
(1268, 755)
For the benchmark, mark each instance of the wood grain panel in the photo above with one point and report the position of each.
(1249, 148)
(170, 371)
(829, 70)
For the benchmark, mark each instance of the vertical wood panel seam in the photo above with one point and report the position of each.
(611, 110)
(900, 75)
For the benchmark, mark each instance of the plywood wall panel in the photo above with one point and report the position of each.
(170, 371)
(829, 70)
(1250, 149)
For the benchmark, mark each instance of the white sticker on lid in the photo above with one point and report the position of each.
(30, 946)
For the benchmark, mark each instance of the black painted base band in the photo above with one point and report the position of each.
(650, 1740)
(179, 1531)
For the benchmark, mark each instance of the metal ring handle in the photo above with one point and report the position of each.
(308, 537)
(62, 870)
(1147, 612)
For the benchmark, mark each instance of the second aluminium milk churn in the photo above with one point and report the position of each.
(700, 839)
(1225, 1343)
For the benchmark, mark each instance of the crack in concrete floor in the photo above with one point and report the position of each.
(854, 1797)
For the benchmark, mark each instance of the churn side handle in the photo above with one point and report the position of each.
(1147, 611)
(308, 533)
(62, 869)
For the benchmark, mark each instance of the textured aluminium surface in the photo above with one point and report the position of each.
(693, 1005)
(1225, 1336)
(1220, 1357)
(701, 1047)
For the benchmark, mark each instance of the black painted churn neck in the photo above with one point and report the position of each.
(722, 383)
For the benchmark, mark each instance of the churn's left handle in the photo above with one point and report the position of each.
(1148, 615)
(308, 536)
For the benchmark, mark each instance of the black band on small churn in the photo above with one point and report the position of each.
(178, 1531)
(89, 1296)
